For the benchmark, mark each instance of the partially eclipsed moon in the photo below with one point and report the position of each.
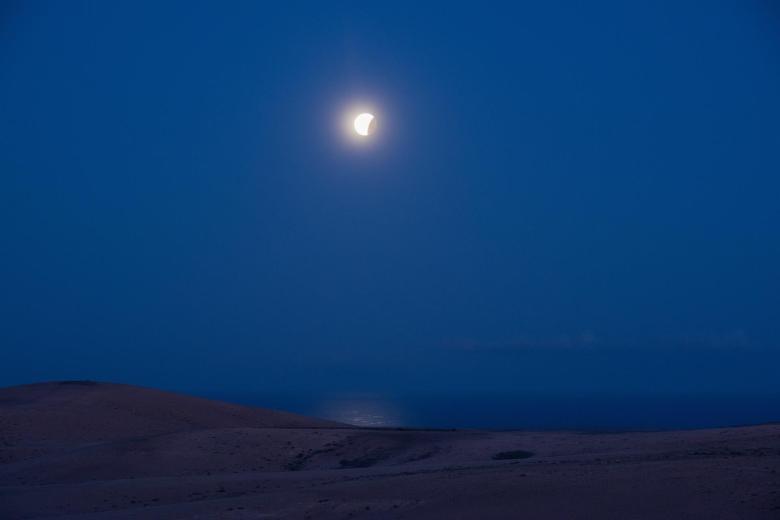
(364, 124)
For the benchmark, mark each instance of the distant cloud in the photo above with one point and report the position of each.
(528, 342)
(730, 340)
(737, 339)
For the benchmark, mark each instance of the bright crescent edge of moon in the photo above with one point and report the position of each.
(363, 124)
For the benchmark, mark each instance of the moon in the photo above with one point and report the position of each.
(364, 124)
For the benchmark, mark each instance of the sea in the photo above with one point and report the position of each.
(592, 412)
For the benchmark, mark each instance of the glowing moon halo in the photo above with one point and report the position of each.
(364, 124)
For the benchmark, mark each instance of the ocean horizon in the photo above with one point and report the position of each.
(526, 411)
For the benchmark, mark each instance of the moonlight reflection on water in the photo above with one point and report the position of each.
(362, 411)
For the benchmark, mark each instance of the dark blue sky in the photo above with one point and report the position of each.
(562, 197)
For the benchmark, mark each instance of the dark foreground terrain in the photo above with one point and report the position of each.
(80, 449)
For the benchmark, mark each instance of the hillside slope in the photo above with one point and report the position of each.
(88, 411)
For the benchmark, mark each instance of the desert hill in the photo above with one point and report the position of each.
(93, 411)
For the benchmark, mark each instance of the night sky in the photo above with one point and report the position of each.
(561, 198)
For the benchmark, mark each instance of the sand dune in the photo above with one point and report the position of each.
(83, 450)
